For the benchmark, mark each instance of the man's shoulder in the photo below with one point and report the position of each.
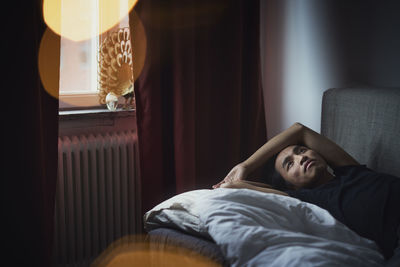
(350, 170)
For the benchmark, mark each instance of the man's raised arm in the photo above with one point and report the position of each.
(297, 134)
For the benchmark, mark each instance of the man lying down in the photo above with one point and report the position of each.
(365, 201)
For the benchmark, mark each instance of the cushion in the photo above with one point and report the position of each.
(366, 123)
(178, 212)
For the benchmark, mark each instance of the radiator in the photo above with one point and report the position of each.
(98, 194)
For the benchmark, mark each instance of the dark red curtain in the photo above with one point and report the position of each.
(199, 96)
(30, 133)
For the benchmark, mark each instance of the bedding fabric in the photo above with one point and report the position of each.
(260, 229)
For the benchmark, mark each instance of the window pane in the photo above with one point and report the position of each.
(78, 66)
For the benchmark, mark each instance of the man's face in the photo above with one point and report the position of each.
(300, 166)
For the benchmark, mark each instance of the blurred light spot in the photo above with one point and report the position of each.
(83, 19)
(139, 44)
(137, 251)
(49, 62)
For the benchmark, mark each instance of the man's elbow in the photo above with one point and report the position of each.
(298, 125)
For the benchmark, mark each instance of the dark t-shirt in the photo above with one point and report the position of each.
(366, 201)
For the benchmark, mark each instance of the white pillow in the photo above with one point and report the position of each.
(178, 212)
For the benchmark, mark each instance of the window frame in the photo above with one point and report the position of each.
(88, 99)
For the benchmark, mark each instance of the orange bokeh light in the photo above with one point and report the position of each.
(83, 19)
(139, 44)
(140, 251)
(49, 62)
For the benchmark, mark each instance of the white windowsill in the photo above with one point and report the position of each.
(79, 114)
(87, 105)
(95, 121)
(91, 111)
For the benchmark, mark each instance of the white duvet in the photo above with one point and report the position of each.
(261, 229)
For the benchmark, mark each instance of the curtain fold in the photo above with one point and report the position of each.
(199, 97)
(31, 131)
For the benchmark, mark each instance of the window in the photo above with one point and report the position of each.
(78, 73)
(78, 63)
(80, 59)
(79, 69)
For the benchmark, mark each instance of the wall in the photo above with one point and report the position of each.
(308, 46)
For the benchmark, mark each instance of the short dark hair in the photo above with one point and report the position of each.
(279, 183)
(275, 179)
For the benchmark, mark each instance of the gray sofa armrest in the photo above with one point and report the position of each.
(366, 123)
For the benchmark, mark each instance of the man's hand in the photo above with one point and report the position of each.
(238, 173)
